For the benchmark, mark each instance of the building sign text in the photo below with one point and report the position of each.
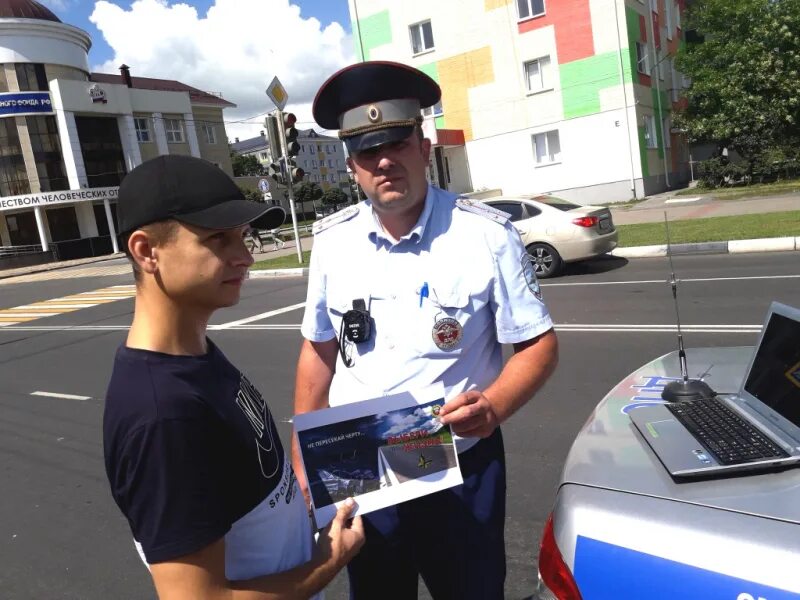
(66, 196)
(25, 103)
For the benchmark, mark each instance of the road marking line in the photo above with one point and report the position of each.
(62, 396)
(675, 200)
(66, 304)
(698, 279)
(265, 315)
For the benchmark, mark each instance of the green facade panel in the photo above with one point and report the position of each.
(371, 32)
(582, 80)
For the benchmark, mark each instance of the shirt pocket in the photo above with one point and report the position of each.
(439, 325)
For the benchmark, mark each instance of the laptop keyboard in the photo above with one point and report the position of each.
(728, 436)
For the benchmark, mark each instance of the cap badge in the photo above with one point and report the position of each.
(374, 114)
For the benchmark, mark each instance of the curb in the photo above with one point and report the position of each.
(782, 244)
(268, 273)
(54, 266)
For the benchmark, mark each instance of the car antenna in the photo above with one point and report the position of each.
(684, 389)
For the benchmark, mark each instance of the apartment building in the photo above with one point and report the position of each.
(569, 97)
(322, 157)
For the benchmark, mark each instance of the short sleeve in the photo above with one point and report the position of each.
(171, 486)
(519, 310)
(317, 325)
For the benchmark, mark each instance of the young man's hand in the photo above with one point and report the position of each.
(341, 540)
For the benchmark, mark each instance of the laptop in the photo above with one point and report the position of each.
(756, 429)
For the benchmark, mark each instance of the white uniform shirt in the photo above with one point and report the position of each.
(477, 272)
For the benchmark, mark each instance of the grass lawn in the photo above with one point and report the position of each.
(283, 262)
(757, 189)
(715, 229)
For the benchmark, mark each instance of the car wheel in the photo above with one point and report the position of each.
(546, 261)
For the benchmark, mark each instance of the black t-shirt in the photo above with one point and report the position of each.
(190, 448)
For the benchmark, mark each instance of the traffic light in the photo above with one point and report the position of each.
(296, 172)
(276, 172)
(292, 145)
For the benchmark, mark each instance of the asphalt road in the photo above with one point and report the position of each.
(61, 536)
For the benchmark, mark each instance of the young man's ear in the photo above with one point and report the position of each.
(142, 250)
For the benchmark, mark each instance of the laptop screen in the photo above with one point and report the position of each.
(774, 377)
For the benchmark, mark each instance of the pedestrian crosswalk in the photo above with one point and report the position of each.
(66, 304)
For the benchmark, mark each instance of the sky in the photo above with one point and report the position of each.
(233, 47)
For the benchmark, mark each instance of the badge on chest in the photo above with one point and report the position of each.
(447, 333)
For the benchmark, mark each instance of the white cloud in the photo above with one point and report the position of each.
(236, 48)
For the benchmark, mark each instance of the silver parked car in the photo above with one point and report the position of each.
(622, 527)
(556, 231)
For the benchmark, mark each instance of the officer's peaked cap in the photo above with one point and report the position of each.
(375, 102)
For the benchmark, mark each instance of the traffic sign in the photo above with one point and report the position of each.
(277, 93)
(263, 185)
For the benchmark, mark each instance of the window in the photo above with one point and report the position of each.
(660, 65)
(31, 77)
(101, 149)
(13, 176)
(174, 131)
(666, 132)
(537, 74)
(515, 209)
(314, 164)
(433, 111)
(678, 16)
(675, 80)
(319, 148)
(210, 133)
(421, 37)
(142, 127)
(330, 163)
(547, 147)
(530, 8)
(3, 80)
(331, 178)
(302, 147)
(650, 139)
(47, 153)
(654, 6)
(264, 156)
(642, 58)
(668, 17)
(305, 164)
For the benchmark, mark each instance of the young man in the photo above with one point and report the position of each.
(446, 281)
(192, 453)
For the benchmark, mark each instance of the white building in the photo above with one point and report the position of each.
(322, 157)
(69, 136)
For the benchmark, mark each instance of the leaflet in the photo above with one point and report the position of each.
(380, 452)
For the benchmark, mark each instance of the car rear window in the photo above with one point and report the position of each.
(513, 208)
(556, 202)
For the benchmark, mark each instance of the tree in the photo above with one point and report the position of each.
(308, 191)
(744, 66)
(251, 194)
(334, 197)
(245, 165)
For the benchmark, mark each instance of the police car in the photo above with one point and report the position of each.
(623, 528)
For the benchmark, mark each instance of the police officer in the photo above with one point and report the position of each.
(412, 287)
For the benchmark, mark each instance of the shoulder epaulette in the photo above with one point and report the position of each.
(334, 219)
(479, 208)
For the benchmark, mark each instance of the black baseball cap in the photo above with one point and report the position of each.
(190, 190)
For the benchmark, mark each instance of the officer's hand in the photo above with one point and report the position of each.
(470, 414)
